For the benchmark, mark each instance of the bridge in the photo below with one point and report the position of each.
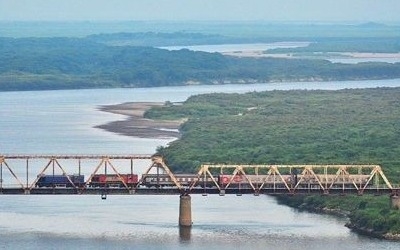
(116, 174)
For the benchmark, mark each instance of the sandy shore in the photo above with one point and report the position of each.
(136, 125)
(330, 55)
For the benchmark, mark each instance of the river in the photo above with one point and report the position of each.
(261, 50)
(61, 122)
(223, 48)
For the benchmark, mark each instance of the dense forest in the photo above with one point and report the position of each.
(70, 63)
(353, 126)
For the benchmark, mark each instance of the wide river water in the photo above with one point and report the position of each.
(61, 122)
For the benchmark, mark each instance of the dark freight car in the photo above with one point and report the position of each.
(60, 181)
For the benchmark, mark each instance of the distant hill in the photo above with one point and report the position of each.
(155, 39)
(232, 29)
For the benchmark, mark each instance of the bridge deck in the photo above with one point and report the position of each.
(176, 191)
(113, 174)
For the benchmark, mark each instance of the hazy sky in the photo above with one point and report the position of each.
(267, 10)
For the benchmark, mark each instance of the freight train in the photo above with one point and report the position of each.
(268, 181)
(187, 180)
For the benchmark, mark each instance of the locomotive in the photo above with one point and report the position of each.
(60, 181)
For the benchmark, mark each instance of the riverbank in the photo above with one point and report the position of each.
(372, 57)
(367, 215)
(136, 124)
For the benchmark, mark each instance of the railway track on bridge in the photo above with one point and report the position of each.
(115, 174)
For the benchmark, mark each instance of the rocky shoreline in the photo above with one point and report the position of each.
(359, 230)
(371, 233)
(304, 206)
(136, 124)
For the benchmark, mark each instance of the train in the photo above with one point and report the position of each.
(296, 181)
(189, 180)
(267, 181)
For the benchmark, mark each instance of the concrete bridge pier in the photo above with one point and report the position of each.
(185, 211)
(395, 201)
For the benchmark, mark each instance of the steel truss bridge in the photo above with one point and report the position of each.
(19, 174)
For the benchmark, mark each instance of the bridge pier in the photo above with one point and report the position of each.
(395, 201)
(185, 211)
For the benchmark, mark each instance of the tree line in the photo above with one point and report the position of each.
(66, 63)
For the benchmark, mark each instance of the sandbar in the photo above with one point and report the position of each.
(136, 125)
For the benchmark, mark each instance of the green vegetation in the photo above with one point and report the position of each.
(288, 127)
(72, 63)
(362, 45)
(358, 126)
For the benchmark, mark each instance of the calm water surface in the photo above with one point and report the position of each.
(61, 122)
(150, 222)
(223, 48)
(239, 47)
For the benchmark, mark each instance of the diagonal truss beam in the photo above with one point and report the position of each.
(322, 177)
(158, 162)
(54, 162)
(283, 178)
(4, 162)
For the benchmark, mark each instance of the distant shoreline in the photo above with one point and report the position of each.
(136, 125)
(330, 55)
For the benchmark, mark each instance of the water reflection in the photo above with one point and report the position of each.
(185, 234)
(150, 222)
